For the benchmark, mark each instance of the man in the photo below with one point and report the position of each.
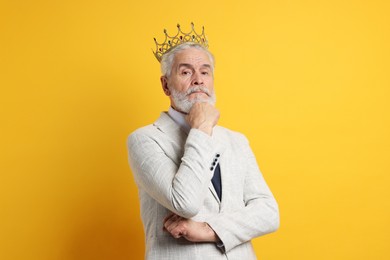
(201, 192)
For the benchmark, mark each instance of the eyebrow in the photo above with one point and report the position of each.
(190, 66)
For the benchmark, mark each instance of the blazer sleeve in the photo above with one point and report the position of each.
(180, 187)
(259, 216)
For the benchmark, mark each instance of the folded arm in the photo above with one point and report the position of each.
(258, 216)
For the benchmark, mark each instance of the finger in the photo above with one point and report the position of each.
(179, 230)
(168, 217)
(171, 219)
(171, 222)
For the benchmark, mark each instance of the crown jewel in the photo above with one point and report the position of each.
(181, 37)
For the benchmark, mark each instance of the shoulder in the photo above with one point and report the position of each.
(144, 130)
(148, 130)
(142, 133)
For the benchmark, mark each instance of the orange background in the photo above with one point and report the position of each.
(306, 81)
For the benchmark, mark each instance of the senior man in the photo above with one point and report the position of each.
(201, 192)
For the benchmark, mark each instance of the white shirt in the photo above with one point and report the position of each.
(180, 119)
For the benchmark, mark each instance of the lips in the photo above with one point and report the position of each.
(197, 90)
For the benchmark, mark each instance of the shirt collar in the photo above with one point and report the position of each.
(179, 119)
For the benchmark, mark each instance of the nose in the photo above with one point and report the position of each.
(197, 79)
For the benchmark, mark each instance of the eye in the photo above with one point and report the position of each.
(205, 73)
(186, 72)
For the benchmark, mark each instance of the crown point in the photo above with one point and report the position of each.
(179, 38)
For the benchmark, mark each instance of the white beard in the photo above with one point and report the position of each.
(182, 102)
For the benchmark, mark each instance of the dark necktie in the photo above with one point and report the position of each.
(216, 180)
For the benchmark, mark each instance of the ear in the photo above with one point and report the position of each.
(164, 85)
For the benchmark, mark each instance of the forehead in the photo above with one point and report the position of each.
(192, 56)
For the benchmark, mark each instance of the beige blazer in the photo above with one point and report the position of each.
(173, 173)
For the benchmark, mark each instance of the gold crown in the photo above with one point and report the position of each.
(181, 37)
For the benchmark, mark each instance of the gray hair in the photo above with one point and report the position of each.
(168, 57)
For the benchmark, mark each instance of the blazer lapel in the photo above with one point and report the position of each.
(174, 137)
(166, 125)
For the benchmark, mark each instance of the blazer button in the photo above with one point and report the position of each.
(215, 160)
(211, 168)
(214, 163)
(217, 155)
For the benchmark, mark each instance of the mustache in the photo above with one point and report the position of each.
(197, 89)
